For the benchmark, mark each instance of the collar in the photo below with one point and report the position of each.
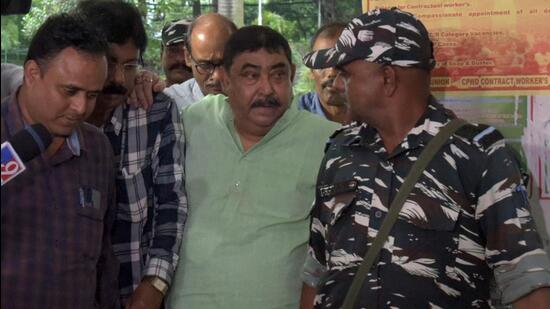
(117, 118)
(312, 103)
(197, 92)
(12, 114)
(318, 106)
(73, 142)
(429, 124)
(285, 120)
(15, 123)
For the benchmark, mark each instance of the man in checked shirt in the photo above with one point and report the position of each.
(147, 143)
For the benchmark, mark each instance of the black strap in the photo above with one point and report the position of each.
(416, 170)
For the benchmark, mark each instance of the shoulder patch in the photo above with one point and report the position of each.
(343, 134)
(344, 128)
(480, 134)
(469, 131)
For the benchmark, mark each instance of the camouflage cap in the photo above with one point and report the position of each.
(387, 36)
(175, 32)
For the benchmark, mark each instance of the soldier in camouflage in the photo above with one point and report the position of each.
(466, 224)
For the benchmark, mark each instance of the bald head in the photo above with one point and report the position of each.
(330, 31)
(210, 26)
(204, 51)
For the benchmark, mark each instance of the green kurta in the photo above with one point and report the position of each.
(245, 238)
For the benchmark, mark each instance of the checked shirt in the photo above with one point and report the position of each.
(152, 205)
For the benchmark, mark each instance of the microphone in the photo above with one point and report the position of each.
(24, 146)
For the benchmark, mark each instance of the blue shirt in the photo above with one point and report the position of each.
(185, 93)
(310, 102)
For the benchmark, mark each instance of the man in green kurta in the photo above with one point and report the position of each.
(252, 161)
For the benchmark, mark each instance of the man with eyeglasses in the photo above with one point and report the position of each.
(207, 36)
(147, 143)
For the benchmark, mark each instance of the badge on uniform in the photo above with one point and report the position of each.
(334, 189)
(89, 197)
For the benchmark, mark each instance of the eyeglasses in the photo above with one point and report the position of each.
(205, 67)
(129, 69)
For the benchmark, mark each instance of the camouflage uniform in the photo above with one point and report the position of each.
(465, 223)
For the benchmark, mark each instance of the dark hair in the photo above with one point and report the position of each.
(253, 38)
(119, 21)
(228, 22)
(331, 30)
(62, 31)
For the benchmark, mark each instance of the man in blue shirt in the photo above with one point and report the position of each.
(206, 39)
(326, 100)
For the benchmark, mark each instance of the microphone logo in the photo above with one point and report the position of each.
(11, 163)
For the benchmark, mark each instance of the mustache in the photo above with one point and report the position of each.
(270, 101)
(328, 83)
(179, 66)
(213, 84)
(115, 89)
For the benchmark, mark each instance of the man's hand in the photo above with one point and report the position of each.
(145, 296)
(147, 84)
(539, 298)
(308, 296)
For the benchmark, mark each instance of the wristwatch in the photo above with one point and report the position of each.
(157, 283)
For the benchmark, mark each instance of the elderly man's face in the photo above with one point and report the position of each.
(259, 87)
(205, 58)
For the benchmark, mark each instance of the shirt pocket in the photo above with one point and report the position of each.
(430, 213)
(91, 201)
(133, 194)
(424, 240)
(333, 207)
(90, 213)
(335, 199)
(336, 212)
